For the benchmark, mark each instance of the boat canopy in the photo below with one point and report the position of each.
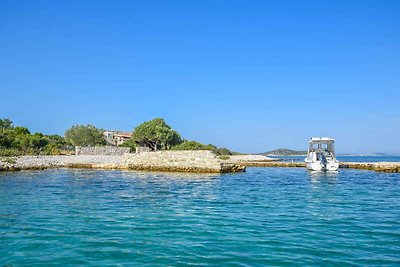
(321, 145)
(322, 140)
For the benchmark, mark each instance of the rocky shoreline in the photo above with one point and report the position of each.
(64, 161)
(179, 161)
(182, 161)
(372, 166)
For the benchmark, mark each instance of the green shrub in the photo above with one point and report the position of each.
(130, 143)
(84, 135)
(10, 160)
(17, 141)
(193, 145)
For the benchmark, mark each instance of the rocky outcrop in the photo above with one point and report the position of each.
(245, 159)
(180, 161)
(101, 150)
(276, 164)
(375, 166)
(45, 162)
(176, 161)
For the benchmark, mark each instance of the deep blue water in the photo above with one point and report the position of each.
(266, 216)
(349, 158)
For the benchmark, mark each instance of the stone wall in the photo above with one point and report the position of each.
(250, 158)
(186, 161)
(375, 166)
(101, 150)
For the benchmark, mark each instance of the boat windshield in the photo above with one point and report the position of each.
(325, 148)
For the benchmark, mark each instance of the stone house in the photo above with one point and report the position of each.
(142, 147)
(117, 138)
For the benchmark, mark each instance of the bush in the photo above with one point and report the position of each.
(17, 141)
(84, 135)
(193, 145)
(130, 143)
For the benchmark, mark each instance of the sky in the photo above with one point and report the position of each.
(248, 75)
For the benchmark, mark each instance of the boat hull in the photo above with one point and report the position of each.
(319, 166)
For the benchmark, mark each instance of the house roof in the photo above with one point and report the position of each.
(119, 133)
(123, 134)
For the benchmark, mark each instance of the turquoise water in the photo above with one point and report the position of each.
(266, 216)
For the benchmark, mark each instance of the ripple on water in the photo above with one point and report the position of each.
(266, 216)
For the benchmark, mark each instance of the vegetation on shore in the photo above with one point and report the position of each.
(156, 134)
(285, 152)
(193, 145)
(17, 140)
(85, 135)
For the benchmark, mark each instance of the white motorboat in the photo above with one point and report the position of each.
(321, 155)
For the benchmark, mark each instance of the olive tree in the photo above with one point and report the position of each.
(156, 134)
(84, 135)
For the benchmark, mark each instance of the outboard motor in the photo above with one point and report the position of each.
(322, 158)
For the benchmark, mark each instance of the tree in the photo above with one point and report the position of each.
(6, 124)
(21, 130)
(156, 134)
(56, 139)
(84, 135)
(37, 141)
(17, 140)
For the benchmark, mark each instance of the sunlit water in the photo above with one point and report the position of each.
(266, 216)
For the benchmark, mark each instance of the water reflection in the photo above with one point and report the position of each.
(169, 175)
(317, 177)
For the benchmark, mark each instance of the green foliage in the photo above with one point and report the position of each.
(10, 160)
(6, 124)
(156, 134)
(130, 143)
(21, 130)
(16, 141)
(193, 145)
(84, 135)
(224, 157)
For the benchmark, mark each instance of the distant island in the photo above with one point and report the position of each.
(372, 154)
(285, 152)
(290, 152)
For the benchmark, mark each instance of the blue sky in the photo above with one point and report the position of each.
(248, 75)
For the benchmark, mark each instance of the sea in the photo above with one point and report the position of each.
(262, 217)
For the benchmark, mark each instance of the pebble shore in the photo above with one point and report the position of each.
(125, 162)
(45, 162)
(233, 164)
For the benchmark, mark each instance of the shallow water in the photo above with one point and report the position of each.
(266, 216)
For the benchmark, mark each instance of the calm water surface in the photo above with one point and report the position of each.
(266, 216)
